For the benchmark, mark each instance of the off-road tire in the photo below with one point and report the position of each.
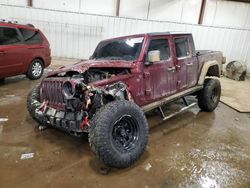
(104, 126)
(34, 95)
(209, 96)
(36, 64)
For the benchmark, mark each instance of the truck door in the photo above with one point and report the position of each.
(11, 52)
(192, 64)
(160, 77)
(186, 64)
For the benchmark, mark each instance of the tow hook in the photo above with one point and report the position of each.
(43, 106)
(39, 113)
(85, 122)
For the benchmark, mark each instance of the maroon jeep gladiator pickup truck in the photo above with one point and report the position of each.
(107, 95)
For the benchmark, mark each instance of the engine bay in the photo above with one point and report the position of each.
(95, 74)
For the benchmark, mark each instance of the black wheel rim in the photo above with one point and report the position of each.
(125, 133)
(214, 95)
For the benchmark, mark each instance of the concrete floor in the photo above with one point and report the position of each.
(194, 149)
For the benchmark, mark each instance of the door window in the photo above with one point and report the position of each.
(31, 37)
(181, 47)
(162, 45)
(9, 36)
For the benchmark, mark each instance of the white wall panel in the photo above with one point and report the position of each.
(134, 9)
(217, 12)
(186, 11)
(104, 7)
(190, 11)
(168, 10)
(76, 35)
(72, 5)
(14, 2)
(227, 13)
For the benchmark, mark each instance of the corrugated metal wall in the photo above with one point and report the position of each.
(75, 35)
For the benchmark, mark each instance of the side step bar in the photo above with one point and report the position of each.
(175, 113)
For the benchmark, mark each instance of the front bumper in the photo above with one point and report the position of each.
(69, 122)
(66, 121)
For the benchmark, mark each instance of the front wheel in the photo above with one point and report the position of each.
(33, 102)
(209, 96)
(119, 133)
(35, 69)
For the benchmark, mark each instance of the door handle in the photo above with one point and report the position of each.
(171, 69)
(146, 74)
(189, 64)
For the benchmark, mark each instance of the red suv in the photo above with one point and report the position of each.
(23, 50)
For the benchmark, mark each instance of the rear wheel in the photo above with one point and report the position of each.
(209, 96)
(119, 133)
(35, 70)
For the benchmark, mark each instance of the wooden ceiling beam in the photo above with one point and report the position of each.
(30, 3)
(202, 11)
(117, 12)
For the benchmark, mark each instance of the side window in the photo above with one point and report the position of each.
(162, 45)
(31, 37)
(181, 47)
(9, 36)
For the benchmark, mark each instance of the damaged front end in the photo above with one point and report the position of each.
(68, 100)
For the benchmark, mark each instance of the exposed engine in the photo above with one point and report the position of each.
(79, 95)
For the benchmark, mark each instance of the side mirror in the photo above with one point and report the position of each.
(153, 56)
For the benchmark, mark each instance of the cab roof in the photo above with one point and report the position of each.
(150, 35)
(167, 33)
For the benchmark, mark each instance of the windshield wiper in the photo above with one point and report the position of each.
(111, 58)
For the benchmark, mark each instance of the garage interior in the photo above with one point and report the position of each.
(191, 149)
